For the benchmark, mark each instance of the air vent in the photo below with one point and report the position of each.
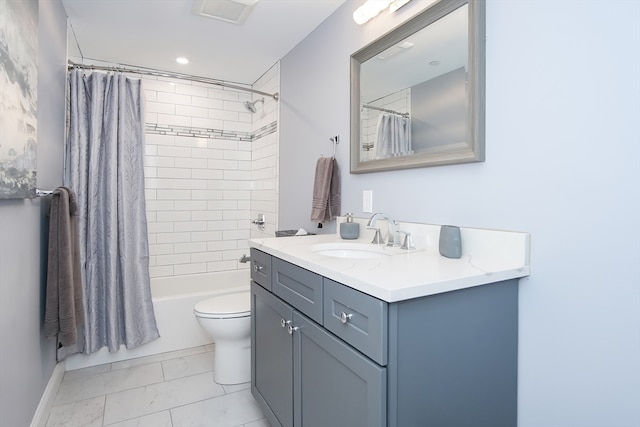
(234, 11)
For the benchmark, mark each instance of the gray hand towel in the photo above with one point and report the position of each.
(64, 312)
(326, 191)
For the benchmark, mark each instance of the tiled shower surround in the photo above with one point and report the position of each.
(210, 167)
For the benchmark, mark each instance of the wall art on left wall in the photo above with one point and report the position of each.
(18, 97)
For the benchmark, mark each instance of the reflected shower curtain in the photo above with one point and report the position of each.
(393, 136)
(104, 166)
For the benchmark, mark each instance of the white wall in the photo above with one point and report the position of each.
(264, 154)
(209, 164)
(27, 358)
(562, 162)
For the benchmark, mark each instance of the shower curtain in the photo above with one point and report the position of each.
(104, 166)
(393, 136)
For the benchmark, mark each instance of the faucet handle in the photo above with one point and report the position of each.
(377, 238)
(408, 241)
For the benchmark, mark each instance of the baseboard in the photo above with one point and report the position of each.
(49, 394)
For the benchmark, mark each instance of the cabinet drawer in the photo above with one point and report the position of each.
(357, 318)
(261, 268)
(299, 287)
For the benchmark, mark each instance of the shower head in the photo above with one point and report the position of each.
(251, 106)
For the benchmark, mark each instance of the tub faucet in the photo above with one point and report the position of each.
(392, 240)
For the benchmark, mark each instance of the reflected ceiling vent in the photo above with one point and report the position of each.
(234, 11)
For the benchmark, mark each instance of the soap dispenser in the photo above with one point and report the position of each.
(349, 230)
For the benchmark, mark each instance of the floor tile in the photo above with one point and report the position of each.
(156, 358)
(230, 410)
(159, 419)
(236, 387)
(158, 397)
(85, 372)
(83, 413)
(260, 423)
(79, 388)
(187, 366)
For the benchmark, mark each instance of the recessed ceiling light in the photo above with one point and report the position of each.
(182, 60)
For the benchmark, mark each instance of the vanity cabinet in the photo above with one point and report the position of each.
(304, 376)
(444, 360)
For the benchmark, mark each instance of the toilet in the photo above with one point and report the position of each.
(227, 319)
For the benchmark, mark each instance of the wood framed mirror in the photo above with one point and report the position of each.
(418, 92)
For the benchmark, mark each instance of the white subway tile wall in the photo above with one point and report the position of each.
(210, 167)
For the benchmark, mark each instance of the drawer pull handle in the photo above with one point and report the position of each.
(257, 268)
(292, 329)
(344, 317)
(284, 323)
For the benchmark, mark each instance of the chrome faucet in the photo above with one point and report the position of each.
(392, 240)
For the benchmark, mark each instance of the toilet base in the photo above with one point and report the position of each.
(232, 362)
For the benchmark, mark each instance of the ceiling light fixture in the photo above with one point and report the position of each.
(371, 8)
(181, 60)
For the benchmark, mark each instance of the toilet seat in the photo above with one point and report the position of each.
(227, 306)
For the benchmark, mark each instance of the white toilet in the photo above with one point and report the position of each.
(227, 319)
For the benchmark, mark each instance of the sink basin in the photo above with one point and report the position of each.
(351, 250)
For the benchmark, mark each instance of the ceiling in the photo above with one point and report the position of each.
(153, 33)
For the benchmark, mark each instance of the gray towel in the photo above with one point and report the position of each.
(64, 312)
(326, 191)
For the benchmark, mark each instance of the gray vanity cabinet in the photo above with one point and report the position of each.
(304, 376)
(335, 385)
(443, 360)
(272, 369)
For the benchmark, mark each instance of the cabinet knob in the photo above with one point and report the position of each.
(284, 323)
(257, 268)
(344, 317)
(292, 329)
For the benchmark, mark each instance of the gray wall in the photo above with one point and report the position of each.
(26, 358)
(562, 163)
(439, 111)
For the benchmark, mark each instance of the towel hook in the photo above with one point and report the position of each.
(336, 141)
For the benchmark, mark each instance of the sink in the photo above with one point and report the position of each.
(351, 250)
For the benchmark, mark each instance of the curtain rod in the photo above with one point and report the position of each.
(405, 115)
(159, 73)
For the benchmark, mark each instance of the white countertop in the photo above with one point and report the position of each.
(487, 256)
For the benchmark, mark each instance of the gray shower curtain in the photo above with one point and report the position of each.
(105, 168)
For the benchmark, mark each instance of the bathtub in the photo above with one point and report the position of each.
(173, 301)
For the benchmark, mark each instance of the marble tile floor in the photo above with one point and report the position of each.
(173, 389)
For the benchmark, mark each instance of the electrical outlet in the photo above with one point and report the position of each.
(367, 201)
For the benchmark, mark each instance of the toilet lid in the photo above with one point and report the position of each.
(237, 304)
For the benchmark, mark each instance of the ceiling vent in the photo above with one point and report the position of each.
(234, 11)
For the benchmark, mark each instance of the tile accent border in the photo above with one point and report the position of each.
(195, 132)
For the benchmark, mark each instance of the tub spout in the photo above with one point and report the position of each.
(244, 259)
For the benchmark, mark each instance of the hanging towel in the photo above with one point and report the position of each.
(326, 191)
(64, 313)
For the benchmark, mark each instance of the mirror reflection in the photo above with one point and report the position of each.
(417, 91)
(417, 88)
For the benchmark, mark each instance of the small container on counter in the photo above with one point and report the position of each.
(349, 230)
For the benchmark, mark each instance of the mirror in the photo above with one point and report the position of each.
(417, 93)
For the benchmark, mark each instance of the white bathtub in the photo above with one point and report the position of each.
(173, 301)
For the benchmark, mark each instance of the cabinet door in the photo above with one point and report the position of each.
(334, 384)
(271, 356)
